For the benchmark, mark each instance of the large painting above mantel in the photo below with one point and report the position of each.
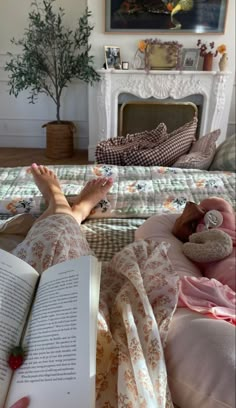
(166, 16)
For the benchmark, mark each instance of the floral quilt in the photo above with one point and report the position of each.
(137, 191)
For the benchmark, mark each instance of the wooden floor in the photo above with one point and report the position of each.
(14, 157)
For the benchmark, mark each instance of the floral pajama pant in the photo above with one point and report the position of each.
(52, 240)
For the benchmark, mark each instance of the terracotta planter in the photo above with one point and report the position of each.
(208, 62)
(59, 139)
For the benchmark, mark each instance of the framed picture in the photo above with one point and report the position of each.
(112, 56)
(190, 58)
(162, 56)
(190, 16)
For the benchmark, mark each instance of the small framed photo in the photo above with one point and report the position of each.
(190, 58)
(112, 57)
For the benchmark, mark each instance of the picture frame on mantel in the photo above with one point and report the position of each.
(135, 16)
(189, 59)
(112, 57)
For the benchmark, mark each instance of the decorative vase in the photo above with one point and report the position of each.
(207, 62)
(138, 61)
(223, 63)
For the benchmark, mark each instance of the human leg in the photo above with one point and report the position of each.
(56, 236)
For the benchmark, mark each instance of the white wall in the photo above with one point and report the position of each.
(20, 123)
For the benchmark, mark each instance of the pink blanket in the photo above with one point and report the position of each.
(208, 296)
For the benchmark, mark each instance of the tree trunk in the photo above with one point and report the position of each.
(58, 111)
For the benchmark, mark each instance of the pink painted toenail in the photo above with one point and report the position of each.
(34, 165)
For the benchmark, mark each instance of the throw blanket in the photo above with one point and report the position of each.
(137, 191)
(139, 293)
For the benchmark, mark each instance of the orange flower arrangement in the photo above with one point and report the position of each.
(221, 49)
(142, 45)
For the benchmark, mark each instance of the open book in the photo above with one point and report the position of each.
(59, 332)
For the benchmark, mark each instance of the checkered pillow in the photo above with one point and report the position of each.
(112, 151)
(225, 157)
(149, 138)
(201, 153)
(108, 236)
(165, 154)
(107, 153)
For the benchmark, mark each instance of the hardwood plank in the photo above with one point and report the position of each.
(14, 157)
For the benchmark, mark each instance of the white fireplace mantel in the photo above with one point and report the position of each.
(103, 97)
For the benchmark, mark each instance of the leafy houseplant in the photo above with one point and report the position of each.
(52, 55)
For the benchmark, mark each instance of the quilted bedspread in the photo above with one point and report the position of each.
(137, 191)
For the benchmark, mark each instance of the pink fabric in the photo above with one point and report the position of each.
(200, 359)
(224, 271)
(208, 296)
(159, 228)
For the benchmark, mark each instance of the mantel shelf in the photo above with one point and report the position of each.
(162, 72)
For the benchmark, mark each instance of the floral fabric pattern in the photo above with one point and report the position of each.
(138, 297)
(139, 292)
(136, 191)
(52, 240)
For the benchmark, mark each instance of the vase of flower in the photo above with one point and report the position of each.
(207, 62)
(208, 51)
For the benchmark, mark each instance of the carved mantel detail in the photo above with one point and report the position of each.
(104, 96)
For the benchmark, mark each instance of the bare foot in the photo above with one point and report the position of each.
(93, 192)
(49, 186)
(45, 180)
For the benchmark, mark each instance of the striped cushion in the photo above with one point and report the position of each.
(112, 151)
(165, 154)
(201, 153)
(225, 157)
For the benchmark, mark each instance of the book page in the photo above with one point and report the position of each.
(59, 339)
(17, 283)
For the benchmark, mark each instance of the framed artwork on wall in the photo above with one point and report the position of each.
(112, 57)
(189, 16)
(190, 58)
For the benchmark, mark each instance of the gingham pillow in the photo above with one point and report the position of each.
(112, 151)
(109, 154)
(165, 154)
(201, 153)
(149, 138)
(225, 157)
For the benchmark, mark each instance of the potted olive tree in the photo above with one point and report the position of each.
(51, 56)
